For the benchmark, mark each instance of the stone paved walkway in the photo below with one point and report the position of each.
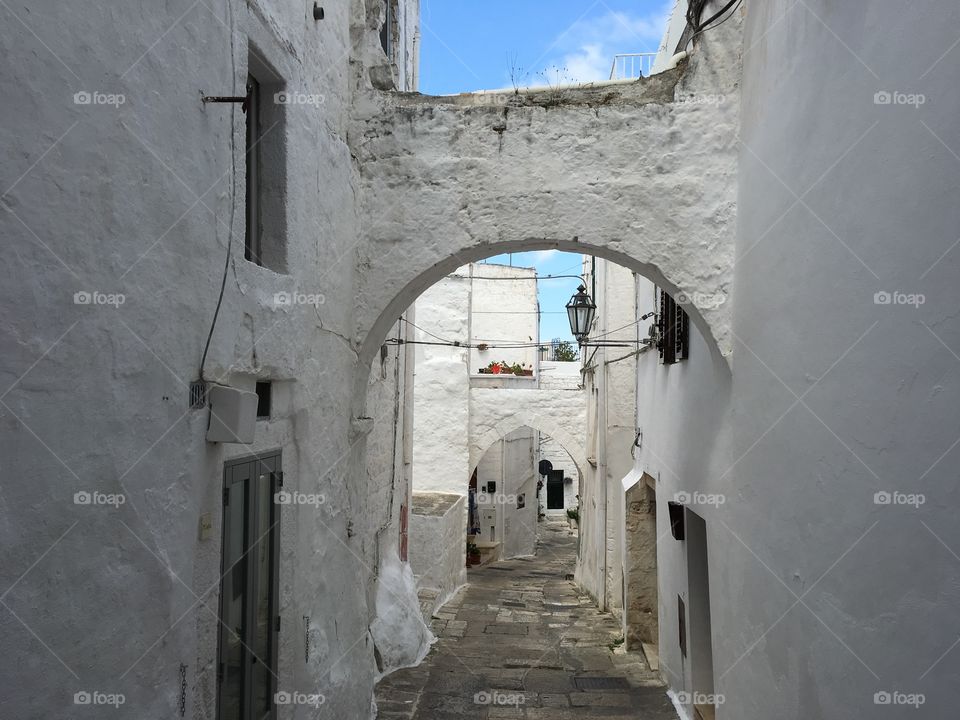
(522, 642)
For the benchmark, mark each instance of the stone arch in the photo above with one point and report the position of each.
(516, 420)
(619, 171)
(711, 322)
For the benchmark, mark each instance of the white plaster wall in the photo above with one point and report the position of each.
(442, 383)
(609, 377)
(510, 464)
(437, 550)
(504, 308)
(494, 412)
(141, 199)
(799, 477)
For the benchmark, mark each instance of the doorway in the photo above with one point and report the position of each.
(699, 637)
(555, 490)
(249, 607)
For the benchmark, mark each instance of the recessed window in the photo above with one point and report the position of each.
(266, 166)
(682, 625)
(386, 30)
(674, 330)
(264, 392)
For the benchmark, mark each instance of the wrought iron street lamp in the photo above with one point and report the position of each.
(580, 312)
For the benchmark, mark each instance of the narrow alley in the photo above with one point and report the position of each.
(522, 641)
(416, 359)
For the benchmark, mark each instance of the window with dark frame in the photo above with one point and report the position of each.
(674, 330)
(264, 391)
(266, 105)
(251, 247)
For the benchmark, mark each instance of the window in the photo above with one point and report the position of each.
(386, 30)
(674, 330)
(265, 231)
(264, 391)
(253, 229)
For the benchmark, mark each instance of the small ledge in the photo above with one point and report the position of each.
(516, 382)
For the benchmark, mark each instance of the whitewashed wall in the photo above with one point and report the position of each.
(504, 307)
(143, 198)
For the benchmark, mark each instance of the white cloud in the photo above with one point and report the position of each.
(542, 256)
(584, 53)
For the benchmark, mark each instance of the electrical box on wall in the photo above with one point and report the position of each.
(233, 415)
(488, 525)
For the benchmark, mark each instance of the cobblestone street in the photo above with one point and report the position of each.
(521, 641)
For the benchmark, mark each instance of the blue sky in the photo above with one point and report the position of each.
(553, 294)
(469, 46)
(473, 46)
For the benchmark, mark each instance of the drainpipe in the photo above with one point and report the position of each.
(602, 429)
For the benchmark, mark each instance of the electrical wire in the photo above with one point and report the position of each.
(498, 345)
(454, 343)
(624, 327)
(233, 196)
(707, 25)
(527, 279)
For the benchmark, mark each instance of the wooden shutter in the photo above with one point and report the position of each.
(674, 327)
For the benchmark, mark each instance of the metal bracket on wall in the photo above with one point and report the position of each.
(243, 99)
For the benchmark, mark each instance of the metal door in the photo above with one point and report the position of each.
(249, 612)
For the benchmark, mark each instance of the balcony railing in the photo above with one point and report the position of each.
(631, 65)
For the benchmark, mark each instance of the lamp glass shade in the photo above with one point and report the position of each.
(580, 312)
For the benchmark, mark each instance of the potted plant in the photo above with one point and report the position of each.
(495, 367)
(526, 371)
(473, 554)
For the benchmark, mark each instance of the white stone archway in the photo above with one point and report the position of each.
(620, 171)
(544, 411)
